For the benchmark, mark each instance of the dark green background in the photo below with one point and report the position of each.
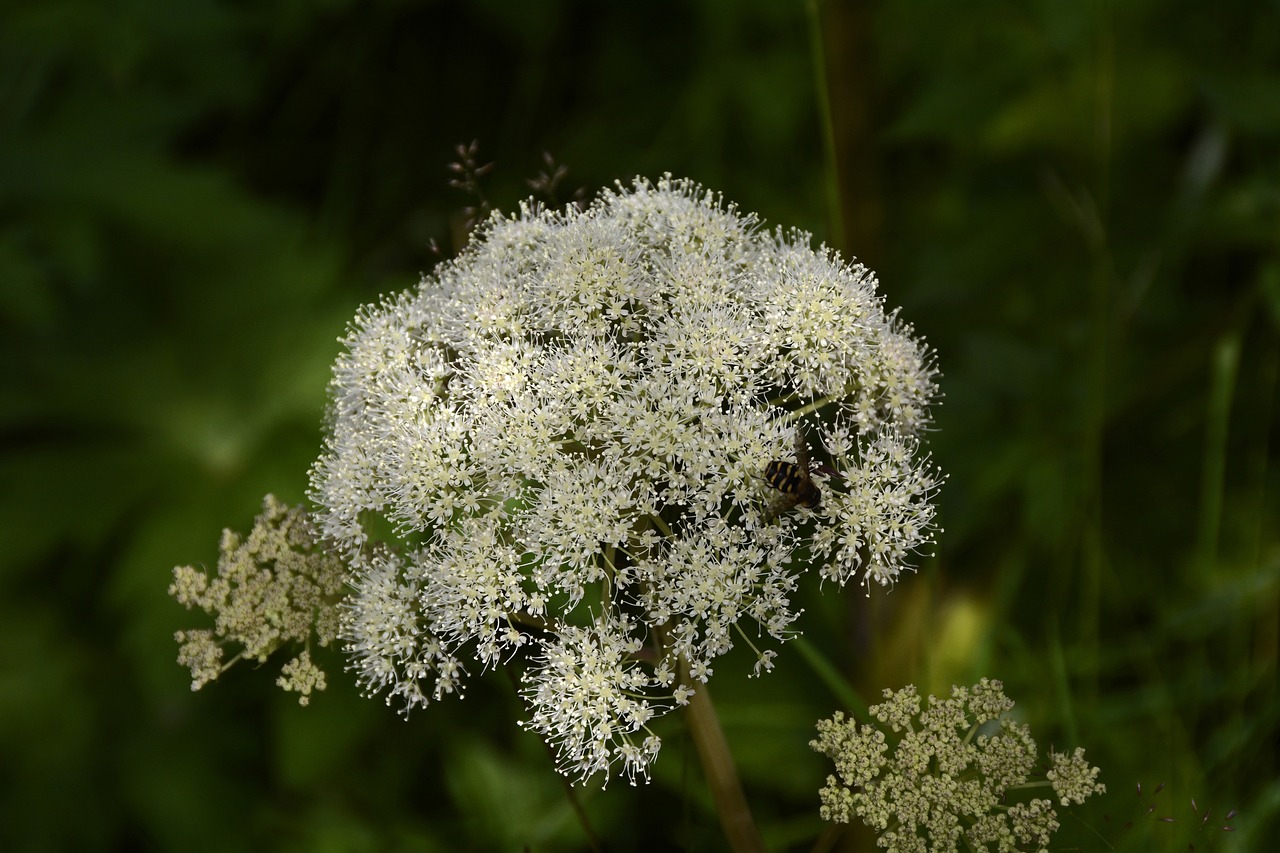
(1077, 203)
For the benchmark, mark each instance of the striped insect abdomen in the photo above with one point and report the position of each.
(789, 478)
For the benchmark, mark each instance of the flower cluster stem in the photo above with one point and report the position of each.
(722, 774)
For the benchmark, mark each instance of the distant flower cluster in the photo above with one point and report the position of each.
(276, 587)
(938, 777)
(555, 448)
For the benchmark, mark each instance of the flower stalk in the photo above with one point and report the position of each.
(722, 773)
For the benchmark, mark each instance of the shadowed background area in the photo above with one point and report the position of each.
(1077, 204)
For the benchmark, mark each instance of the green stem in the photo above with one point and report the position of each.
(814, 406)
(1222, 384)
(570, 794)
(835, 215)
(722, 775)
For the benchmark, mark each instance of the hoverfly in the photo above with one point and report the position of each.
(792, 479)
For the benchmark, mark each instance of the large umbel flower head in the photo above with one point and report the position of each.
(556, 447)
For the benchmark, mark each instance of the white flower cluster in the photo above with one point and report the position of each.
(560, 440)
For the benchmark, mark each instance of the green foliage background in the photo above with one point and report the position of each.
(1077, 203)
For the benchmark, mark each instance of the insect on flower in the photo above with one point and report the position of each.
(792, 479)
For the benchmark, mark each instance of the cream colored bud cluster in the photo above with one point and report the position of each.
(938, 775)
(274, 588)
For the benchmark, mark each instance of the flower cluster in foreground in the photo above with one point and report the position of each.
(555, 449)
(937, 778)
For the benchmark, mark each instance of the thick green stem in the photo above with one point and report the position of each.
(722, 775)
(835, 214)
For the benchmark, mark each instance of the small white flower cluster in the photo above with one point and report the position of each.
(559, 440)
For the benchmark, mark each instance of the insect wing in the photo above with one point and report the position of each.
(802, 452)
